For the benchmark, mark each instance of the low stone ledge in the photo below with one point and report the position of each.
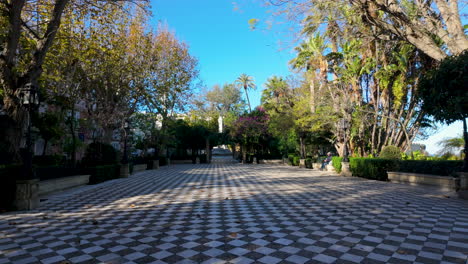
(446, 183)
(139, 167)
(60, 184)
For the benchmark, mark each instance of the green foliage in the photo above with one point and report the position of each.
(390, 152)
(375, 169)
(99, 154)
(8, 175)
(308, 163)
(451, 145)
(296, 160)
(444, 90)
(336, 162)
(53, 172)
(103, 173)
(435, 167)
(49, 160)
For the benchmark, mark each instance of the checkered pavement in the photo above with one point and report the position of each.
(231, 213)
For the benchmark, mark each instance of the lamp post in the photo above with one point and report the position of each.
(29, 99)
(344, 125)
(125, 168)
(27, 187)
(127, 130)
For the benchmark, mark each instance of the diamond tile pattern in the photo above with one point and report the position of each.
(231, 213)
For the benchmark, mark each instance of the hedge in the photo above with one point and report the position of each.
(8, 175)
(103, 173)
(53, 172)
(435, 167)
(336, 162)
(371, 168)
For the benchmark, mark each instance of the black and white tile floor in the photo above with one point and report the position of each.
(230, 213)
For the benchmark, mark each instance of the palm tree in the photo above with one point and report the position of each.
(247, 82)
(451, 145)
(277, 88)
(310, 57)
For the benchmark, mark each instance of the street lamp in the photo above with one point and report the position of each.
(29, 99)
(344, 125)
(127, 131)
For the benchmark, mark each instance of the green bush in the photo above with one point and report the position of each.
(8, 175)
(370, 168)
(99, 154)
(53, 172)
(295, 161)
(336, 162)
(103, 173)
(435, 167)
(49, 160)
(390, 152)
(308, 163)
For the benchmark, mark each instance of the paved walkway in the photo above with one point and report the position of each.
(239, 214)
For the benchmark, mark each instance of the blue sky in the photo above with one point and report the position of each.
(219, 35)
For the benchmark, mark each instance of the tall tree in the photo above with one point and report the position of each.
(246, 82)
(433, 26)
(310, 56)
(445, 95)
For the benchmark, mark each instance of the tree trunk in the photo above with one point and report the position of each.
(302, 147)
(312, 93)
(45, 147)
(465, 137)
(248, 101)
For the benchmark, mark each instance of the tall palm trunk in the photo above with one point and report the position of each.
(247, 96)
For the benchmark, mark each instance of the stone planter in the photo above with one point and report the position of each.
(302, 163)
(139, 167)
(124, 170)
(345, 171)
(27, 194)
(155, 164)
(463, 176)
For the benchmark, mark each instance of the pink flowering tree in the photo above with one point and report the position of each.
(251, 132)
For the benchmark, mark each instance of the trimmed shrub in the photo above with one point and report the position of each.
(8, 174)
(103, 173)
(49, 160)
(370, 168)
(336, 163)
(296, 160)
(99, 154)
(390, 152)
(53, 172)
(435, 167)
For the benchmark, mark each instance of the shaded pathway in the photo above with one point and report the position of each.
(225, 213)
